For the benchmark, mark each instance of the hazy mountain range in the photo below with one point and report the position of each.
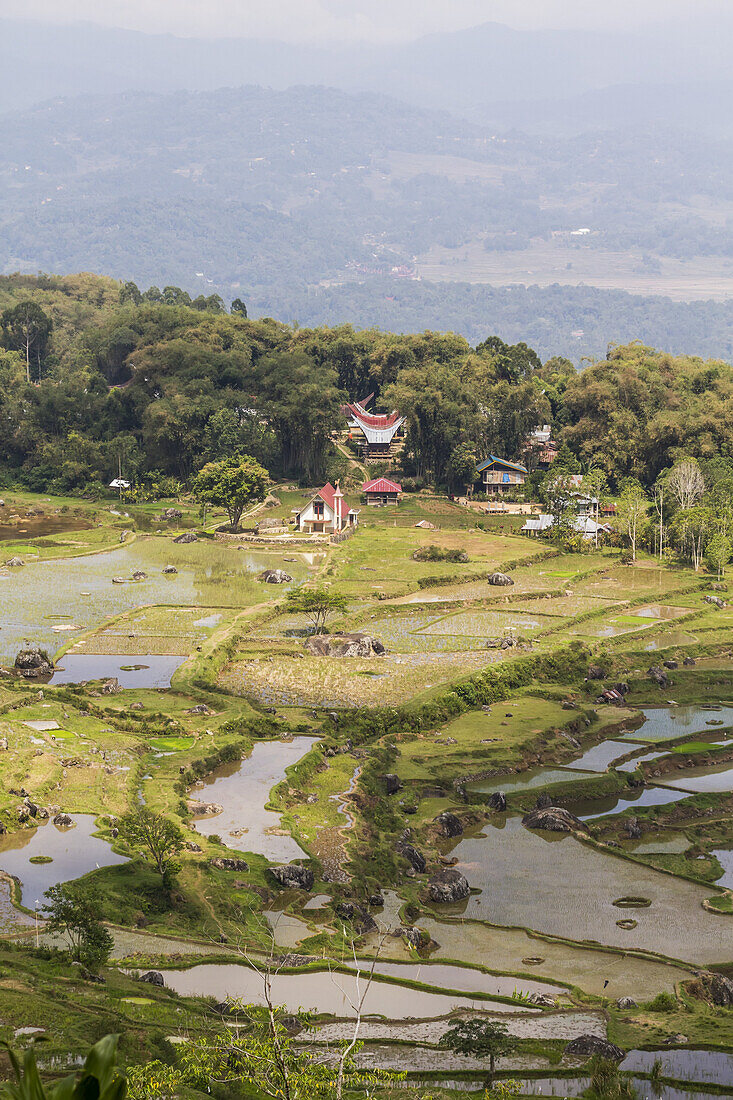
(386, 185)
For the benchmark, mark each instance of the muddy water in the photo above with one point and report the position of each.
(74, 852)
(80, 590)
(443, 976)
(588, 809)
(242, 788)
(600, 757)
(334, 994)
(701, 1066)
(38, 527)
(713, 777)
(131, 672)
(527, 780)
(669, 723)
(555, 884)
(724, 857)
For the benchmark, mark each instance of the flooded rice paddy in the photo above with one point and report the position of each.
(147, 672)
(671, 723)
(79, 591)
(588, 809)
(560, 886)
(527, 780)
(74, 852)
(335, 994)
(242, 789)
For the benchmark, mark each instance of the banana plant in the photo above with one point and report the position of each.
(99, 1078)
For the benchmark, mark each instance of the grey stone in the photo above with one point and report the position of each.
(497, 801)
(293, 876)
(449, 824)
(186, 537)
(344, 645)
(448, 886)
(585, 1046)
(554, 818)
(275, 576)
(500, 579)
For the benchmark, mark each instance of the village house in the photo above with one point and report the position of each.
(381, 491)
(376, 430)
(500, 476)
(326, 513)
(583, 525)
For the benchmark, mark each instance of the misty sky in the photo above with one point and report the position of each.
(349, 20)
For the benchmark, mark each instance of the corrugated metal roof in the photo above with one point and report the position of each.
(381, 485)
(492, 459)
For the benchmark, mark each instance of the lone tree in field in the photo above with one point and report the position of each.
(686, 483)
(478, 1039)
(233, 484)
(74, 915)
(633, 509)
(155, 837)
(318, 605)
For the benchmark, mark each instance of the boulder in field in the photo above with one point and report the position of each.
(169, 569)
(15, 563)
(32, 661)
(138, 575)
(585, 1046)
(275, 576)
(449, 824)
(292, 876)
(171, 513)
(344, 645)
(658, 675)
(153, 977)
(111, 686)
(226, 863)
(392, 783)
(716, 601)
(555, 819)
(414, 857)
(448, 886)
(500, 579)
(186, 537)
(62, 819)
(497, 801)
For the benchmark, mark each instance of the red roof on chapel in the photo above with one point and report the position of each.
(381, 485)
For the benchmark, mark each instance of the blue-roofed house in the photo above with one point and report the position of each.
(499, 476)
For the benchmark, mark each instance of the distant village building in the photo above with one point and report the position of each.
(382, 491)
(326, 513)
(542, 447)
(500, 476)
(583, 525)
(377, 431)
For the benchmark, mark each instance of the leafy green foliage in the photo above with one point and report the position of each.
(72, 912)
(478, 1039)
(153, 835)
(233, 484)
(317, 604)
(99, 1078)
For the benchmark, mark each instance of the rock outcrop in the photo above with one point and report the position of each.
(658, 675)
(414, 857)
(293, 877)
(226, 863)
(497, 801)
(449, 824)
(186, 537)
(500, 579)
(32, 661)
(716, 601)
(554, 818)
(361, 918)
(448, 886)
(585, 1046)
(170, 513)
(153, 977)
(62, 819)
(392, 783)
(275, 576)
(717, 989)
(344, 645)
(169, 569)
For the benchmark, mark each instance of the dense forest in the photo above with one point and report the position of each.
(314, 203)
(95, 375)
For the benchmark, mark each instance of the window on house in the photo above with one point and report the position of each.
(318, 508)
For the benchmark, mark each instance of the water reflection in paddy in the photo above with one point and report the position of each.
(131, 672)
(242, 788)
(588, 809)
(74, 852)
(81, 589)
(713, 1067)
(560, 886)
(444, 976)
(711, 777)
(527, 780)
(323, 992)
(669, 723)
(724, 857)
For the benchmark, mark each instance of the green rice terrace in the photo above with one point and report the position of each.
(506, 802)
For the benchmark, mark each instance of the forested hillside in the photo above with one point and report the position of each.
(325, 206)
(95, 374)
